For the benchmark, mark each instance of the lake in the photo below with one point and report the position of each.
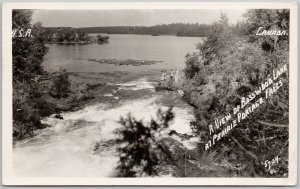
(169, 49)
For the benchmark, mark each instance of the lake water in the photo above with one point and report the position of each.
(67, 149)
(169, 49)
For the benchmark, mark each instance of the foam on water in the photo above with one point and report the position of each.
(108, 95)
(66, 149)
(137, 85)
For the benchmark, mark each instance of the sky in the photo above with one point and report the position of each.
(94, 18)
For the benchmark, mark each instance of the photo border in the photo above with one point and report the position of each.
(7, 149)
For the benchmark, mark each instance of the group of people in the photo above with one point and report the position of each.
(173, 76)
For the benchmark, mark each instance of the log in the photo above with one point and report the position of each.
(272, 124)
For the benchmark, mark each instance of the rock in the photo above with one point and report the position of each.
(124, 62)
(203, 100)
(58, 116)
(173, 132)
(43, 126)
(180, 92)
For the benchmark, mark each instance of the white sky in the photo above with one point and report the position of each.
(94, 18)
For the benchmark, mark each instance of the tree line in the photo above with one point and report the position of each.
(178, 29)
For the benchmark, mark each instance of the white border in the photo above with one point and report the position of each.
(7, 173)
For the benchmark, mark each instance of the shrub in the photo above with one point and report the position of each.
(61, 84)
(102, 39)
(139, 144)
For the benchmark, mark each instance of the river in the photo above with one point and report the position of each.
(79, 145)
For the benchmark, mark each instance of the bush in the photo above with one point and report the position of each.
(139, 144)
(102, 39)
(61, 85)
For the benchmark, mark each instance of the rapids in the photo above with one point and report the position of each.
(79, 145)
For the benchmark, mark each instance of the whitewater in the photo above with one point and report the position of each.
(80, 144)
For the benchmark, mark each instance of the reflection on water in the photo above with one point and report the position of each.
(170, 49)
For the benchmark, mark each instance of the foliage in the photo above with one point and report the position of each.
(102, 39)
(139, 144)
(61, 84)
(229, 65)
(269, 19)
(66, 35)
(29, 106)
(28, 52)
(27, 57)
(29, 96)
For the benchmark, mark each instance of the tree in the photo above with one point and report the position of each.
(27, 52)
(27, 57)
(140, 146)
(102, 39)
(268, 19)
(61, 84)
(224, 19)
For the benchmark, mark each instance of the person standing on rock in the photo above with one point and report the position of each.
(176, 77)
(163, 76)
(172, 75)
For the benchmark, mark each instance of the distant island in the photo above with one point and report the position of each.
(71, 36)
(177, 29)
